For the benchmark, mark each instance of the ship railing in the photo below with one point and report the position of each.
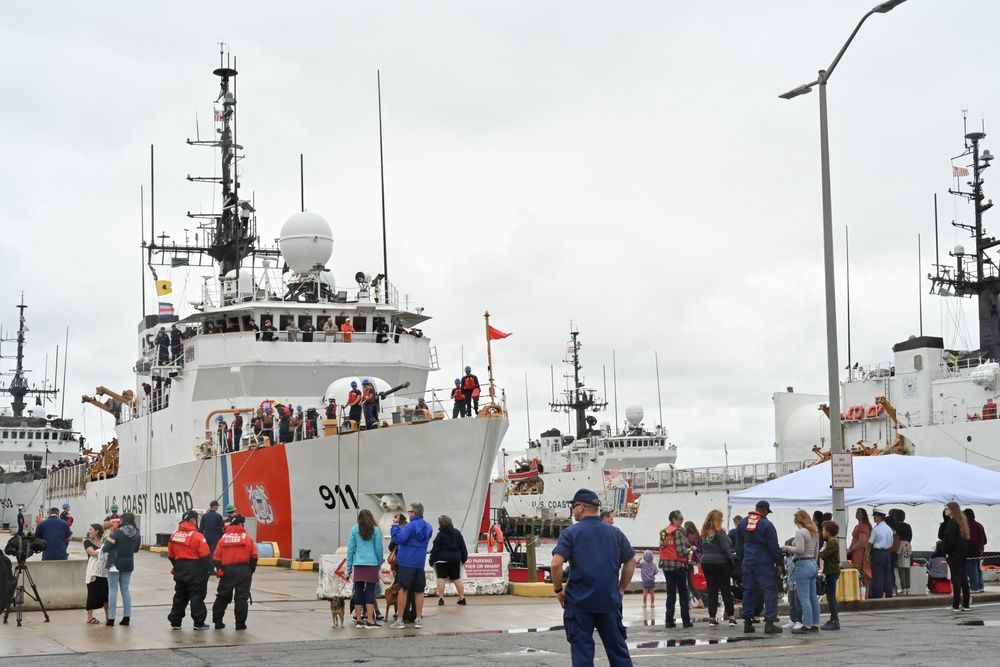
(714, 477)
(879, 371)
(952, 414)
(960, 367)
(271, 287)
(69, 481)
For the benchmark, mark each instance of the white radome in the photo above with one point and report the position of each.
(306, 241)
(634, 414)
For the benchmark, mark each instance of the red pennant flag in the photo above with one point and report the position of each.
(496, 334)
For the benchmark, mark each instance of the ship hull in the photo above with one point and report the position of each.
(306, 495)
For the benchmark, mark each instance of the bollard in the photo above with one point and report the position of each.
(529, 545)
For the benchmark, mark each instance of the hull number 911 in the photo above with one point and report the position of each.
(344, 493)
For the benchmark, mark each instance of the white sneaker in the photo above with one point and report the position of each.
(418, 622)
(398, 624)
(797, 626)
(790, 624)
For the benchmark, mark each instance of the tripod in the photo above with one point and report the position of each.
(21, 573)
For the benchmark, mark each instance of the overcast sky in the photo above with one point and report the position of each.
(627, 167)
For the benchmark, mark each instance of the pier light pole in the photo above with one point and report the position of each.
(833, 364)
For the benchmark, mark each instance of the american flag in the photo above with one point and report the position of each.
(959, 171)
(611, 474)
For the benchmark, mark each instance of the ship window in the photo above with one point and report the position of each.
(31, 435)
(283, 321)
(360, 324)
(21, 435)
(45, 435)
(5, 434)
(304, 319)
(918, 362)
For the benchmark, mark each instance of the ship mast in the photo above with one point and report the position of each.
(231, 235)
(18, 387)
(975, 274)
(578, 399)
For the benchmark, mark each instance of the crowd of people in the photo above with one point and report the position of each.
(747, 561)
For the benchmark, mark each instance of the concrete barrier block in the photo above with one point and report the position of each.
(61, 583)
(536, 590)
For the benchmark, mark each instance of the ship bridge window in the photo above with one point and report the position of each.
(20, 435)
(5, 434)
(918, 362)
(360, 324)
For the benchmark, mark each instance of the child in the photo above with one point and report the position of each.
(794, 604)
(830, 566)
(648, 569)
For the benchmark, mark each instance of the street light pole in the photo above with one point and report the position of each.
(832, 357)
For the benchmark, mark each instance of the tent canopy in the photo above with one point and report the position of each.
(881, 480)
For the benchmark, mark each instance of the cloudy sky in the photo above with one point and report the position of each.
(624, 167)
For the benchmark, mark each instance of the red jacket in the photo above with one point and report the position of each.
(235, 548)
(187, 543)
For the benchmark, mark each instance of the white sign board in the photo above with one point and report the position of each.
(842, 470)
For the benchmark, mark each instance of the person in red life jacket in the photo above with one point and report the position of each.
(368, 401)
(674, 550)
(114, 517)
(192, 565)
(331, 408)
(268, 423)
(470, 387)
(237, 430)
(65, 515)
(354, 403)
(235, 561)
(757, 547)
(298, 424)
(456, 393)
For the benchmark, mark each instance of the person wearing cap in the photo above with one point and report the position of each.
(308, 329)
(459, 397)
(331, 408)
(230, 508)
(470, 387)
(235, 559)
(65, 515)
(21, 521)
(237, 430)
(354, 403)
(192, 565)
(757, 547)
(267, 422)
(346, 328)
(114, 517)
(56, 532)
(162, 342)
(368, 401)
(382, 332)
(675, 551)
(212, 525)
(222, 433)
(881, 541)
(603, 562)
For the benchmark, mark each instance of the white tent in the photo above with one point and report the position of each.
(881, 480)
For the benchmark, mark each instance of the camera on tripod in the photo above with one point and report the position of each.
(24, 547)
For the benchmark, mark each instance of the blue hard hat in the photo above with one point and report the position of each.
(65, 506)
(468, 369)
(365, 381)
(298, 407)
(354, 383)
(267, 410)
(221, 418)
(458, 381)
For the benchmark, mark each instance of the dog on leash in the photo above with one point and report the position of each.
(337, 610)
(392, 599)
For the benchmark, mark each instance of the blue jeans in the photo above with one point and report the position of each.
(580, 626)
(975, 570)
(831, 596)
(805, 585)
(794, 607)
(677, 583)
(881, 574)
(116, 579)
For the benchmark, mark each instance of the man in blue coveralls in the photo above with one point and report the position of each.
(757, 547)
(596, 551)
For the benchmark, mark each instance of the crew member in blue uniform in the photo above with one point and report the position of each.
(757, 547)
(237, 431)
(212, 525)
(603, 562)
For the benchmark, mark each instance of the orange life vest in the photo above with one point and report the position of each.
(668, 547)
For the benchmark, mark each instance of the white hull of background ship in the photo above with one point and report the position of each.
(929, 401)
(32, 438)
(305, 494)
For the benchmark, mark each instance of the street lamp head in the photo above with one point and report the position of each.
(887, 6)
(801, 90)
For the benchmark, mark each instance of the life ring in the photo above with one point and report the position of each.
(494, 539)
(875, 411)
(856, 412)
